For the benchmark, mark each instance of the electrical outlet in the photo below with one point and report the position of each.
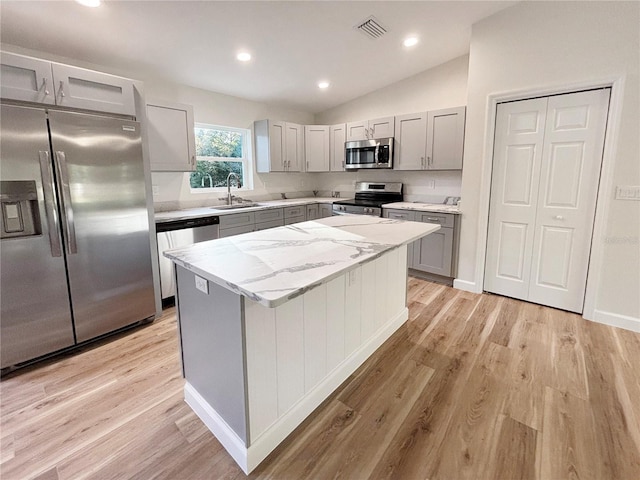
(202, 285)
(156, 190)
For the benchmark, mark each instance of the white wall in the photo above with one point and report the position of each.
(535, 45)
(218, 109)
(443, 86)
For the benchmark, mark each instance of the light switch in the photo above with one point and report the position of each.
(156, 190)
(202, 284)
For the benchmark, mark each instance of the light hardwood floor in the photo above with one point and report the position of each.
(473, 386)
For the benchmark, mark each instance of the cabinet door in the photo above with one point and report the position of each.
(433, 253)
(357, 131)
(445, 139)
(237, 220)
(172, 144)
(268, 215)
(326, 210)
(294, 147)
(25, 78)
(277, 146)
(337, 137)
(411, 142)
(313, 212)
(381, 127)
(299, 211)
(79, 88)
(316, 148)
(291, 220)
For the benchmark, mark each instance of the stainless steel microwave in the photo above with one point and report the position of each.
(369, 154)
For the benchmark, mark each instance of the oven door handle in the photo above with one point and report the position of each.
(338, 212)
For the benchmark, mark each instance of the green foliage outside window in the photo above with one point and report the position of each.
(219, 145)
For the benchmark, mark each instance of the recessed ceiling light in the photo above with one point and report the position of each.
(244, 56)
(323, 85)
(89, 3)
(410, 41)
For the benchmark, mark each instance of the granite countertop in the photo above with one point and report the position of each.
(275, 265)
(211, 211)
(424, 207)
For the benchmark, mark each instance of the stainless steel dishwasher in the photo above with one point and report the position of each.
(180, 233)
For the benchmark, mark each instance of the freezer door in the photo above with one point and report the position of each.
(104, 220)
(35, 317)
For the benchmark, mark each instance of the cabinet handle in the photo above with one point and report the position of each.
(428, 160)
(44, 85)
(62, 95)
(439, 220)
(307, 164)
(193, 160)
(558, 217)
(422, 161)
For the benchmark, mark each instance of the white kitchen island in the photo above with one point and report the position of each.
(272, 322)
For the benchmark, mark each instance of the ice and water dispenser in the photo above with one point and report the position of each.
(19, 205)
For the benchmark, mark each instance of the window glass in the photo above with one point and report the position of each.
(220, 151)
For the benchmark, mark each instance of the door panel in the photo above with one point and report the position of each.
(110, 276)
(515, 179)
(36, 316)
(570, 167)
(512, 251)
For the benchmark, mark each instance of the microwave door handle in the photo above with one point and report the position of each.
(376, 153)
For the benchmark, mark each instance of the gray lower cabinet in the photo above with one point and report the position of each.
(325, 210)
(434, 253)
(313, 211)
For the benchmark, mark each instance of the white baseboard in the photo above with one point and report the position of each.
(216, 424)
(466, 286)
(249, 458)
(616, 320)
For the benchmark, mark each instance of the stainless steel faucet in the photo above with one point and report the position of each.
(238, 183)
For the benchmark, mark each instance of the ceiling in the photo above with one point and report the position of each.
(294, 44)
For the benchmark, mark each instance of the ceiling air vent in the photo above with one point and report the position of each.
(371, 27)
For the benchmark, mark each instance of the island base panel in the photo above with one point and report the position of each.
(298, 353)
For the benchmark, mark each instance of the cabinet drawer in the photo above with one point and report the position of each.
(313, 212)
(271, 224)
(295, 211)
(228, 232)
(268, 215)
(399, 214)
(237, 220)
(444, 219)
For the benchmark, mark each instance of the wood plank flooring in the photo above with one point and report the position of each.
(473, 386)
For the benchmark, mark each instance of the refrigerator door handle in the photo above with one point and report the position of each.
(67, 210)
(49, 204)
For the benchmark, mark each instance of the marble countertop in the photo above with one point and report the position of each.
(275, 265)
(211, 211)
(424, 207)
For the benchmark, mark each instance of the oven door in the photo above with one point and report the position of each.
(362, 154)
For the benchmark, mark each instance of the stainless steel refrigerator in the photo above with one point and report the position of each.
(74, 235)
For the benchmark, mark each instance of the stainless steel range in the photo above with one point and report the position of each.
(370, 196)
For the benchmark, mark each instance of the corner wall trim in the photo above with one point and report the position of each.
(467, 286)
(615, 320)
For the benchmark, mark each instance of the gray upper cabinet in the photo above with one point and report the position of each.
(35, 80)
(279, 146)
(445, 138)
(26, 79)
(316, 148)
(430, 140)
(337, 138)
(370, 129)
(172, 144)
(79, 88)
(411, 142)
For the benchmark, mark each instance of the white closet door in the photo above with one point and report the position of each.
(514, 191)
(571, 160)
(546, 169)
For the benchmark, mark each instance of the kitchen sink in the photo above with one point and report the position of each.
(235, 206)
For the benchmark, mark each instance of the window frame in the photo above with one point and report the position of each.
(246, 159)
